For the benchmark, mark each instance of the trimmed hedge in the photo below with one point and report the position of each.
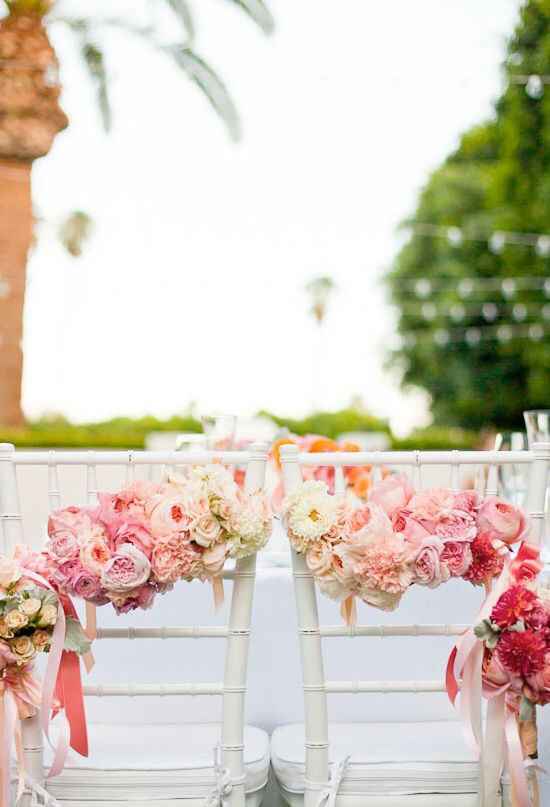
(332, 424)
(436, 438)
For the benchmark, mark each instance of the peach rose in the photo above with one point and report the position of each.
(319, 558)
(94, 555)
(498, 519)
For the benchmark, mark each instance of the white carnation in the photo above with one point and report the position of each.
(310, 513)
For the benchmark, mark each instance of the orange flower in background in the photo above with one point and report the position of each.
(362, 484)
(322, 444)
(347, 445)
(276, 449)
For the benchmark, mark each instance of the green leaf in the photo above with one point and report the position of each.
(211, 85)
(526, 709)
(183, 12)
(259, 12)
(75, 638)
(488, 633)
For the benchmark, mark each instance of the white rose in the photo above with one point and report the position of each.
(23, 648)
(31, 606)
(48, 616)
(206, 531)
(15, 620)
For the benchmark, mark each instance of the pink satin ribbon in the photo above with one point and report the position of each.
(217, 591)
(348, 609)
(19, 700)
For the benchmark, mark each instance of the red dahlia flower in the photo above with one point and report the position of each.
(486, 562)
(514, 604)
(522, 652)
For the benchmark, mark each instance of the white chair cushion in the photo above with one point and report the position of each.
(386, 758)
(148, 762)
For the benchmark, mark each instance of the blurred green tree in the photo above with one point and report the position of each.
(31, 117)
(498, 180)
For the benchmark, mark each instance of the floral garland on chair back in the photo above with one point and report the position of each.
(142, 539)
(398, 538)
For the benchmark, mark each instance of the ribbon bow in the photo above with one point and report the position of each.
(224, 782)
(329, 790)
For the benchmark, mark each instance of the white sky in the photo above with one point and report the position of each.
(192, 287)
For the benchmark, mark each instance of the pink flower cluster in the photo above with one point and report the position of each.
(141, 540)
(517, 636)
(399, 537)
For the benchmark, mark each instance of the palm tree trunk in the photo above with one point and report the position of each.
(16, 226)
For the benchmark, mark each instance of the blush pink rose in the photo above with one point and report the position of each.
(498, 519)
(319, 558)
(170, 511)
(128, 569)
(429, 570)
(206, 531)
(133, 532)
(457, 556)
(392, 494)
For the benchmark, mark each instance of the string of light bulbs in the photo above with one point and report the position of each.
(474, 336)
(489, 311)
(496, 240)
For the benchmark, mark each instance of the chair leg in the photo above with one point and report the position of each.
(32, 752)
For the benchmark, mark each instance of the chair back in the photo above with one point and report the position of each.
(427, 469)
(32, 482)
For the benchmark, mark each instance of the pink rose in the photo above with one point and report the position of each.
(427, 505)
(63, 573)
(527, 566)
(428, 567)
(169, 512)
(206, 530)
(174, 557)
(392, 494)
(86, 585)
(495, 675)
(501, 520)
(128, 569)
(413, 532)
(457, 556)
(133, 532)
(538, 686)
(467, 500)
(455, 525)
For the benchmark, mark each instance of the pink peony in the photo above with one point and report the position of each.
(457, 557)
(498, 519)
(429, 570)
(132, 532)
(128, 503)
(128, 569)
(64, 573)
(174, 557)
(392, 494)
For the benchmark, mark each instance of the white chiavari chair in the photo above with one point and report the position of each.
(417, 763)
(158, 762)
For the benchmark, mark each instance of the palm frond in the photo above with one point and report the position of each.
(95, 62)
(182, 10)
(211, 85)
(259, 12)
